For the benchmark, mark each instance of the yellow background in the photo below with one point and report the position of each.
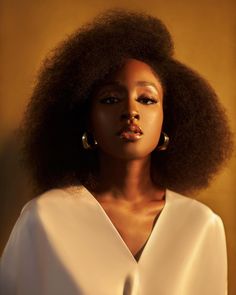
(205, 38)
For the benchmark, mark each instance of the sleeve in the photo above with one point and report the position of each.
(210, 260)
(220, 256)
(18, 259)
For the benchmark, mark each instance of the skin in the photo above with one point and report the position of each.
(126, 191)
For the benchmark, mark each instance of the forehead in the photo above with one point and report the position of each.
(132, 73)
(136, 70)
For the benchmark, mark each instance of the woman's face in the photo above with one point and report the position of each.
(127, 112)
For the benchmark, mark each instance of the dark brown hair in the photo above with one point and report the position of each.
(57, 115)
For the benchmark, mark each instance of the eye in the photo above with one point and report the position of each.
(147, 100)
(109, 100)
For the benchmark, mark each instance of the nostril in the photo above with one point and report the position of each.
(130, 116)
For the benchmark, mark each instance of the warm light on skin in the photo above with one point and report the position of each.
(134, 89)
(125, 188)
(110, 86)
(150, 85)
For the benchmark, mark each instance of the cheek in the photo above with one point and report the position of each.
(102, 124)
(152, 124)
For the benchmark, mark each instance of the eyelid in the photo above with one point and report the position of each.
(107, 97)
(151, 98)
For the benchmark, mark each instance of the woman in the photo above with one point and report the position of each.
(115, 126)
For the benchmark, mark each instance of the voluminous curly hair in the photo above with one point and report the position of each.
(58, 112)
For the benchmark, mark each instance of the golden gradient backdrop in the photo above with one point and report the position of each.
(204, 32)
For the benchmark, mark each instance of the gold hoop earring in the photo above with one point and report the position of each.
(85, 143)
(165, 143)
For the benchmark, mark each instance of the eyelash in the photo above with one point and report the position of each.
(147, 99)
(106, 99)
(113, 99)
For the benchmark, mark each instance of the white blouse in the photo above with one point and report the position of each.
(65, 244)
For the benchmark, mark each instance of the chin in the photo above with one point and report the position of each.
(129, 152)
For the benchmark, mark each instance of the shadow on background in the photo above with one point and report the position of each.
(15, 188)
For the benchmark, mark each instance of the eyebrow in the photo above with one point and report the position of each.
(146, 83)
(138, 83)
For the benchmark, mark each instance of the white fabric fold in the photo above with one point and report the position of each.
(64, 243)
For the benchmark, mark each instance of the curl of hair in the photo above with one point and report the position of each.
(58, 112)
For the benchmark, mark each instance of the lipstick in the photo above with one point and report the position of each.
(131, 132)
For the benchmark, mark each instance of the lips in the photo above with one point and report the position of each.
(131, 132)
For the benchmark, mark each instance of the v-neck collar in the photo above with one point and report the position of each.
(152, 235)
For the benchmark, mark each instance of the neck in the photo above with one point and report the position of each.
(126, 179)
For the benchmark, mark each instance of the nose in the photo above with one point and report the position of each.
(130, 116)
(130, 111)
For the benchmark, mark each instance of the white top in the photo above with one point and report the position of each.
(65, 244)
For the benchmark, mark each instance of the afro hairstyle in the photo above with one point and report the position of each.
(57, 114)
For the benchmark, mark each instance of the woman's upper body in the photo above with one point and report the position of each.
(115, 112)
(65, 243)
